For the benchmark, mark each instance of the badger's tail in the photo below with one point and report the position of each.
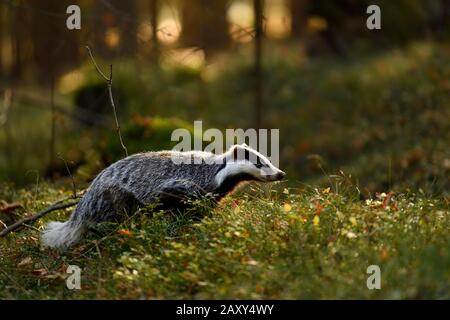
(61, 235)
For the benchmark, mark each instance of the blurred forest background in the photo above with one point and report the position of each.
(368, 105)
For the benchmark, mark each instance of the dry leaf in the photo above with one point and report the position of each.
(319, 208)
(25, 262)
(351, 235)
(40, 272)
(125, 232)
(9, 207)
(387, 199)
(316, 221)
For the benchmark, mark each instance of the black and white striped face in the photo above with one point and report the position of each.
(241, 159)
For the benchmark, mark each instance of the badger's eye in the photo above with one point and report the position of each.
(259, 165)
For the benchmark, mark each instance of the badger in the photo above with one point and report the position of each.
(166, 178)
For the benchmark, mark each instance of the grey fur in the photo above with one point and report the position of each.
(139, 179)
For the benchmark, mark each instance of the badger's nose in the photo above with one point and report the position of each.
(281, 175)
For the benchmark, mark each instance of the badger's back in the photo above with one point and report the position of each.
(145, 174)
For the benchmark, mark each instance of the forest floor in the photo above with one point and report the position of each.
(353, 132)
(265, 243)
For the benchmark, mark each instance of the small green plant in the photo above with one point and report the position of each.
(293, 243)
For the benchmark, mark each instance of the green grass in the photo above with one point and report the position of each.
(381, 118)
(276, 243)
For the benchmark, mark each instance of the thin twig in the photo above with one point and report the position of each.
(58, 205)
(111, 99)
(109, 80)
(31, 227)
(74, 188)
(30, 220)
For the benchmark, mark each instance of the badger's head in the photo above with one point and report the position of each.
(242, 163)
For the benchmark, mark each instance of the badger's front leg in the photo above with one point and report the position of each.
(177, 193)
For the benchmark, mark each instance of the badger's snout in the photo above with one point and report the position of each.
(279, 175)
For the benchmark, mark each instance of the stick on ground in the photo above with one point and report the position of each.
(30, 220)
(58, 205)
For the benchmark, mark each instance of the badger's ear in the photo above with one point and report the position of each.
(244, 145)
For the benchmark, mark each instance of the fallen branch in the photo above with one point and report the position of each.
(111, 99)
(58, 205)
(9, 207)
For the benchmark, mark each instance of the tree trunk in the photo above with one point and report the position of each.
(18, 24)
(2, 27)
(154, 12)
(52, 125)
(299, 17)
(205, 25)
(55, 47)
(258, 11)
(115, 28)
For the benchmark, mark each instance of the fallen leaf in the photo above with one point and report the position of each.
(350, 235)
(252, 262)
(319, 208)
(125, 232)
(40, 272)
(25, 262)
(316, 221)
(387, 199)
(384, 254)
(9, 207)
(57, 275)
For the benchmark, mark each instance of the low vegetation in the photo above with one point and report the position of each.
(264, 244)
(368, 138)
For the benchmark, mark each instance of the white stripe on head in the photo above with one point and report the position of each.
(241, 159)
